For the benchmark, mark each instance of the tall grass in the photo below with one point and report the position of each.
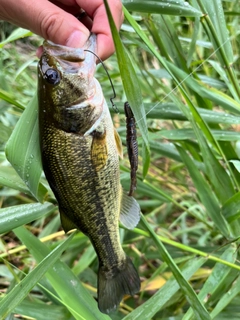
(178, 65)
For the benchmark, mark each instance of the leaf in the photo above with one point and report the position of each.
(205, 193)
(15, 35)
(71, 292)
(16, 216)
(38, 310)
(4, 95)
(21, 290)
(131, 88)
(172, 7)
(199, 310)
(154, 304)
(231, 208)
(9, 178)
(216, 279)
(23, 150)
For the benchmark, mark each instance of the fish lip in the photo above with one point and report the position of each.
(70, 54)
(63, 53)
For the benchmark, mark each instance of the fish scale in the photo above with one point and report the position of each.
(80, 156)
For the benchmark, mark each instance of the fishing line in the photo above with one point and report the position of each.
(114, 93)
(178, 85)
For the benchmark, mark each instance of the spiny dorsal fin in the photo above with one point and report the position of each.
(130, 211)
(118, 143)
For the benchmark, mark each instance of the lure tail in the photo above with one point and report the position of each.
(112, 286)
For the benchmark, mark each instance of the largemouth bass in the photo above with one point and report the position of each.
(80, 155)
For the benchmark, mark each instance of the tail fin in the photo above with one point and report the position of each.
(112, 288)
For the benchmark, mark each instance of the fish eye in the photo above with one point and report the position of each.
(52, 76)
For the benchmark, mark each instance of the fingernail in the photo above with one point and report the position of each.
(77, 39)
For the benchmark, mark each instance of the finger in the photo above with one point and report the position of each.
(96, 10)
(46, 19)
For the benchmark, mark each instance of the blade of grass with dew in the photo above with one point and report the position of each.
(217, 278)
(154, 304)
(21, 290)
(71, 292)
(170, 111)
(9, 178)
(131, 88)
(171, 7)
(205, 193)
(185, 134)
(16, 216)
(23, 150)
(199, 309)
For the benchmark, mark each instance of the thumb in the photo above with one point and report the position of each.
(46, 20)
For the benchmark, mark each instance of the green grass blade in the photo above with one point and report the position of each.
(21, 290)
(131, 88)
(171, 111)
(72, 294)
(199, 309)
(171, 7)
(39, 311)
(148, 309)
(9, 178)
(231, 208)
(206, 195)
(219, 178)
(23, 150)
(16, 216)
(4, 95)
(226, 299)
(217, 279)
(15, 35)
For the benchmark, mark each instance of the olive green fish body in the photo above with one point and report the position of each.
(80, 156)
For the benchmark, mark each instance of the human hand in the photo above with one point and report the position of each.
(55, 20)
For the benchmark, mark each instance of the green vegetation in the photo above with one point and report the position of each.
(178, 66)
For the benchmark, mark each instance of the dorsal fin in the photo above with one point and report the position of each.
(130, 211)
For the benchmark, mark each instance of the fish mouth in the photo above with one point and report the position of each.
(71, 60)
(70, 54)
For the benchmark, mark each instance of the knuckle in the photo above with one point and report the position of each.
(50, 24)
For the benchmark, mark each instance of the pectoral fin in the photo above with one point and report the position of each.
(118, 143)
(67, 224)
(130, 211)
(99, 150)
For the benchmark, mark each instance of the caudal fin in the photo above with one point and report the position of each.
(112, 287)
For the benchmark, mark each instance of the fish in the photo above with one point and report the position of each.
(132, 145)
(80, 150)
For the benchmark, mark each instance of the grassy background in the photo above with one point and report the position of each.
(178, 65)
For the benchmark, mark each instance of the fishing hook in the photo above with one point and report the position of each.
(114, 93)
